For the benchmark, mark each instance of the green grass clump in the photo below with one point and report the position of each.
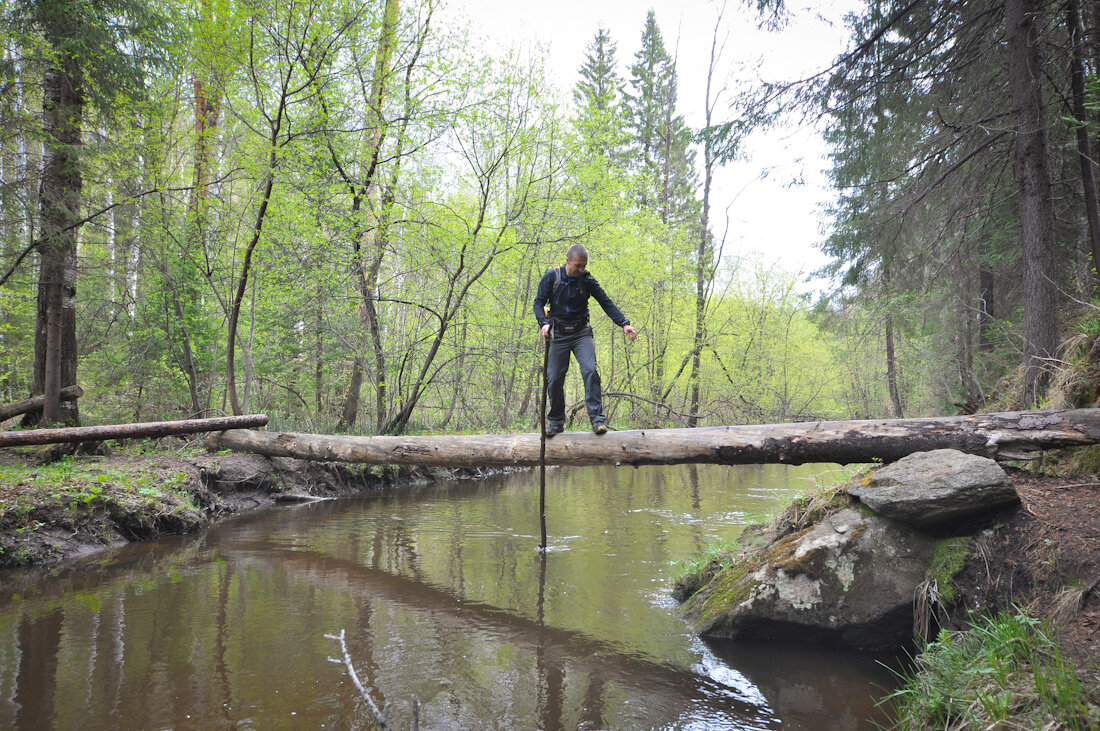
(82, 482)
(1005, 672)
(721, 554)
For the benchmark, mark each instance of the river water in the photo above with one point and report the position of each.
(444, 598)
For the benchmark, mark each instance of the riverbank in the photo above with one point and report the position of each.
(1031, 557)
(54, 508)
(1030, 589)
(1029, 572)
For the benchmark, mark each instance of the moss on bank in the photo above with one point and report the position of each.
(948, 561)
(47, 508)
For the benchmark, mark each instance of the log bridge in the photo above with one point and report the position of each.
(1016, 435)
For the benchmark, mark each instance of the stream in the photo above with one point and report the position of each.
(443, 598)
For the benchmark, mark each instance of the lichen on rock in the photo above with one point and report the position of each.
(848, 579)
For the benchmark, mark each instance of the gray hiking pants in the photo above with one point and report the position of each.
(583, 348)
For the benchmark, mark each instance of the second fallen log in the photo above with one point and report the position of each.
(69, 393)
(147, 429)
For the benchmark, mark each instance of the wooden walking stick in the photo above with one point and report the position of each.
(542, 443)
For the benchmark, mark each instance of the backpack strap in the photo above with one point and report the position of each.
(559, 281)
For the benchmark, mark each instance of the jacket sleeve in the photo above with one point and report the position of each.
(542, 296)
(608, 306)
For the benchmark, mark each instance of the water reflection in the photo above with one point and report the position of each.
(444, 597)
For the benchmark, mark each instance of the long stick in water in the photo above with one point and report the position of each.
(542, 444)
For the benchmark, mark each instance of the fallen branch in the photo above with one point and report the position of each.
(381, 716)
(129, 431)
(69, 393)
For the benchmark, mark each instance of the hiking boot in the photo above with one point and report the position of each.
(599, 427)
(552, 429)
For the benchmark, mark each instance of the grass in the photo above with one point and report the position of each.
(1006, 672)
(721, 554)
(134, 493)
(83, 481)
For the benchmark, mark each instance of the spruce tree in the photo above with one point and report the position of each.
(597, 96)
(659, 138)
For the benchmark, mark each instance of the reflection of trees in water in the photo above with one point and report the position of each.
(401, 591)
(654, 687)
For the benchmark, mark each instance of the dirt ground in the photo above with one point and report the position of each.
(1041, 555)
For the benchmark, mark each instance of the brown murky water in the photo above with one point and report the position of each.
(444, 598)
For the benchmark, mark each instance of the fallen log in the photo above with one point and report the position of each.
(129, 431)
(1019, 435)
(69, 393)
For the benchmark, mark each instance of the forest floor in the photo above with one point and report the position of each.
(1040, 555)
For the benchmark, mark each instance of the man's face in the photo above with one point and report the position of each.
(575, 267)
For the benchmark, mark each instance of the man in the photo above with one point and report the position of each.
(566, 290)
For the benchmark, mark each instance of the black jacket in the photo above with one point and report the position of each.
(570, 302)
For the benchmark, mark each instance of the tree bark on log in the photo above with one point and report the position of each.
(130, 431)
(1003, 436)
(69, 393)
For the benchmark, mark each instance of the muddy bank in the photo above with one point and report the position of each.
(55, 508)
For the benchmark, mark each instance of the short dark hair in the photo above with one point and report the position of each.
(576, 250)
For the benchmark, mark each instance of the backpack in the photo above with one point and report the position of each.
(559, 281)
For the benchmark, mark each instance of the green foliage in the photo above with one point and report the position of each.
(81, 482)
(400, 249)
(113, 42)
(1005, 672)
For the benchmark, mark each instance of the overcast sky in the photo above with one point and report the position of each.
(767, 213)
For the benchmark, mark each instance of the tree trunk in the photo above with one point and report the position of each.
(702, 260)
(129, 431)
(1005, 436)
(351, 401)
(986, 313)
(372, 236)
(59, 201)
(892, 368)
(1084, 151)
(1036, 207)
(891, 357)
(318, 358)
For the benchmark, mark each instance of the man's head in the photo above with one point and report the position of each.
(576, 259)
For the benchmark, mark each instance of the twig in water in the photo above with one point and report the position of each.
(379, 716)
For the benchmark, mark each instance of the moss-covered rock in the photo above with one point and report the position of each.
(848, 578)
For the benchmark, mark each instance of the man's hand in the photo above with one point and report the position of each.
(546, 331)
(630, 332)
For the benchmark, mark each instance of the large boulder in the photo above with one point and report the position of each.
(929, 489)
(848, 579)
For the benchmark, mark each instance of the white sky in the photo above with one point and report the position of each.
(767, 213)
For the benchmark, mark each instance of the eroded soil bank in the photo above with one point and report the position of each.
(1035, 555)
(57, 507)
